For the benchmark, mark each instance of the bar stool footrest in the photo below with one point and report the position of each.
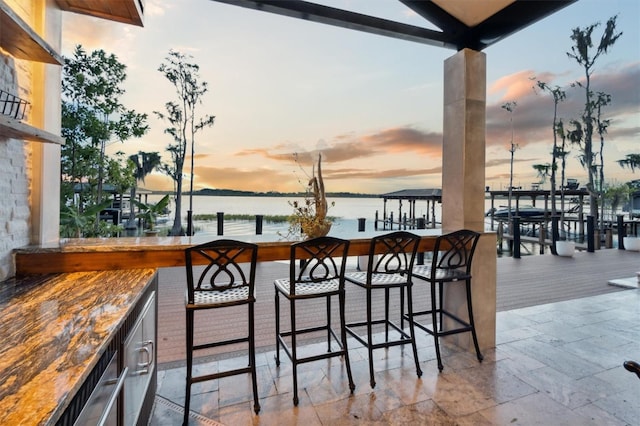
(465, 327)
(221, 343)
(328, 354)
(221, 374)
(404, 336)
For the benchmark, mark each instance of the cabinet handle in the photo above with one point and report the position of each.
(114, 397)
(151, 351)
(143, 367)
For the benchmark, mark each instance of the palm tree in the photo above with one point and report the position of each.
(558, 95)
(145, 163)
(631, 161)
(586, 54)
(561, 152)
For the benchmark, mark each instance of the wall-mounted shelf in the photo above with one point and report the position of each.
(19, 39)
(125, 11)
(12, 128)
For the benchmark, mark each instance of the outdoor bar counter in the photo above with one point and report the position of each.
(90, 254)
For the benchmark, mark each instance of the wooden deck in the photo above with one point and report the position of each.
(529, 281)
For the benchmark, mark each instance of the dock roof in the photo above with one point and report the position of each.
(414, 194)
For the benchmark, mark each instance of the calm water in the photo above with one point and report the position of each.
(345, 210)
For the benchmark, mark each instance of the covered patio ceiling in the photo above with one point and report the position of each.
(473, 24)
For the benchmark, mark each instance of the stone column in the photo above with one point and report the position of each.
(463, 185)
(45, 188)
(463, 145)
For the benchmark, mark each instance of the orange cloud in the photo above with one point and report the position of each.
(347, 147)
(403, 139)
(514, 86)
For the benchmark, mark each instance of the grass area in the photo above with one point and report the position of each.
(252, 217)
(249, 217)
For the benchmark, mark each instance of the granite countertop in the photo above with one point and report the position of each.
(54, 328)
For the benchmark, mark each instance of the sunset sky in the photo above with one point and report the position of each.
(371, 104)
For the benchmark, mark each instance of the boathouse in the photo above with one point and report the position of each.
(411, 196)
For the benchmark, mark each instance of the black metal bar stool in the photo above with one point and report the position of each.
(227, 279)
(451, 262)
(391, 258)
(316, 270)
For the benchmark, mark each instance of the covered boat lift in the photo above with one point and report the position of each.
(431, 196)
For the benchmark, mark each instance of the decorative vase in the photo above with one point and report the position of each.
(317, 229)
(631, 243)
(565, 248)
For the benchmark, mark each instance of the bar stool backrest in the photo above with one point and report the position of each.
(318, 260)
(393, 253)
(228, 264)
(454, 251)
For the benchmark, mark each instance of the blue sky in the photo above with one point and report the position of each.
(371, 104)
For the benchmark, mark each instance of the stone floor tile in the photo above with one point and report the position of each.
(279, 410)
(600, 416)
(560, 388)
(589, 351)
(624, 405)
(515, 334)
(354, 410)
(510, 320)
(535, 409)
(458, 397)
(420, 413)
(496, 381)
(556, 357)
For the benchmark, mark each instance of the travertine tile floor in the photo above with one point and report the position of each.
(554, 364)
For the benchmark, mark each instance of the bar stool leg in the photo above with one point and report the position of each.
(328, 305)
(343, 335)
(441, 301)
(277, 356)
(386, 314)
(472, 323)
(370, 339)
(402, 308)
(189, 372)
(252, 358)
(294, 354)
(412, 330)
(434, 318)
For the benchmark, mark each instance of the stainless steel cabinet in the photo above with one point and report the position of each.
(139, 359)
(120, 389)
(102, 407)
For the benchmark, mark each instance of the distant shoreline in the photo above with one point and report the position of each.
(237, 193)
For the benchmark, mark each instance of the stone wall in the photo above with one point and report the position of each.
(15, 157)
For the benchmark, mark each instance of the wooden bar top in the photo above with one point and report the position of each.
(90, 254)
(54, 330)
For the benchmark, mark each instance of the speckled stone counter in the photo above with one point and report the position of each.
(54, 329)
